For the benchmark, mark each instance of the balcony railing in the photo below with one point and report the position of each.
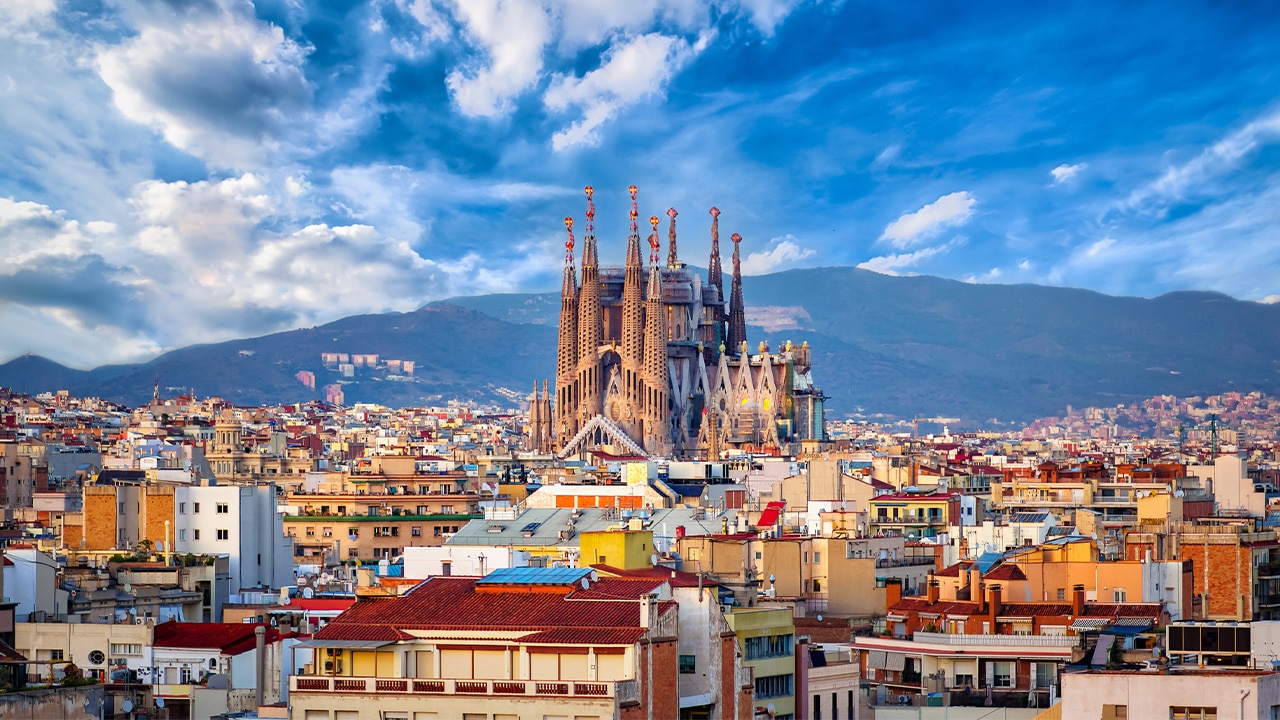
(905, 562)
(997, 640)
(621, 690)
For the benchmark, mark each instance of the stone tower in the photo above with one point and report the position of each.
(566, 421)
(737, 313)
(626, 412)
(590, 331)
(657, 408)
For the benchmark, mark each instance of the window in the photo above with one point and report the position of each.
(444, 489)
(353, 553)
(772, 686)
(1179, 712)
(342, 509)
(195, 507)
(55, 654)
(687, 663)
(1118, 595)
(1046, 675)
(1062, 594)
(817, 707)
(1002, 674)
(422, 510)
(446, 568)
(126, 649)
(964, 680)
(185, 675)
(817, 557)
(222, 508)
(817, 586)
(224, 534)
(326, 532)
(195, 534)
(603, 560)
(806, 556)
(768, 646)
(182, 508)
(311, 532)
(1112, 712)
(121, 509)
(448, 510)
(415, 531)
(182, 534)
(437, 531)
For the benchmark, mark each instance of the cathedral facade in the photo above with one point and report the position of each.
(652, 361)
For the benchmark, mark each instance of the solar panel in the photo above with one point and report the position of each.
(534, 576)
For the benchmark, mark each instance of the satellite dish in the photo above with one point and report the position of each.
(159, 702)
(127, 706)
(585, 583)
(128, 587)
(308, 593)
(819, 617)
(286, 600)
(653, 559)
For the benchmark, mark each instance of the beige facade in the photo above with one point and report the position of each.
(50, 644)
(1181, 693)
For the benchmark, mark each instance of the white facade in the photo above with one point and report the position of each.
(241, 522)
(1232, 694)
(31, 582)
(1232, 488)
(421, 563)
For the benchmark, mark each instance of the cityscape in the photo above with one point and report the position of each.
(652, 360)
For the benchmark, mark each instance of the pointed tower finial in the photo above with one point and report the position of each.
(568, 244)
(654, 244)
(591, 209)
(635, 213)
(672, 256)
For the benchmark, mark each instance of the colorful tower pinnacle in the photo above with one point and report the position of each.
(737, 313)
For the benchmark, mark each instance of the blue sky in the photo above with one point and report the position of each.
(181, 171)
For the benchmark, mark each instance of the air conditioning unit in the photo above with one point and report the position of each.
(333, 667)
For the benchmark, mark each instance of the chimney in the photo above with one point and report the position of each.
(981, 599)
(646, 610)
(995, 605)
(1077, 600)
(892, 592)
(975, 581)
(933, 590)
(260, 637)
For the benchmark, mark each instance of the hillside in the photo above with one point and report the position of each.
(900, 345)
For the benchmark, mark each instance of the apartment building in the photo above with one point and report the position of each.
(527, 642)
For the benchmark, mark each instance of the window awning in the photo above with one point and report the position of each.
(344, 644)
(895, 661)
(875, 659)
(1090, 624)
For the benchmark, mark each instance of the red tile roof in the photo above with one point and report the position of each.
(452, 603)
(229, 638)
(674, 578)
(1005, 571)
(954, 570)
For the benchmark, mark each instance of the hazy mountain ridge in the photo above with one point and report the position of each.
(899, 345)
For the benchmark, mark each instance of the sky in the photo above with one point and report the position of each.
(184, 171)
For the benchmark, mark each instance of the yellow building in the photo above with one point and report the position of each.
(622, 549)
(766, 639)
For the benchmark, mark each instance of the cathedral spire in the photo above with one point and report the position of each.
(632, 324)
(590, 329)
(715, 276)
(673, 260)
(567, 348)
(737, 313)
(656, 405)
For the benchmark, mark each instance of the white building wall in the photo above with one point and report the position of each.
(1150, 695)
(423, 562)
(259, 553)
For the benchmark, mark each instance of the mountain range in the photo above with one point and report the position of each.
(883, 345)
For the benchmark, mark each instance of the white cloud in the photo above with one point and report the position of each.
(512, 33)
(914, 228)
(897, 263)
(222, 85)
(1270, 300)
(631, 71)
(15, 14)
(1066, 173)
(1213, 161)
(783, 253)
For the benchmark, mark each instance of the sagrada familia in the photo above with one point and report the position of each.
(650, 363)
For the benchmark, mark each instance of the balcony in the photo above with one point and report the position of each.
(1068, 641)
(905, 562)
(621, 690)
